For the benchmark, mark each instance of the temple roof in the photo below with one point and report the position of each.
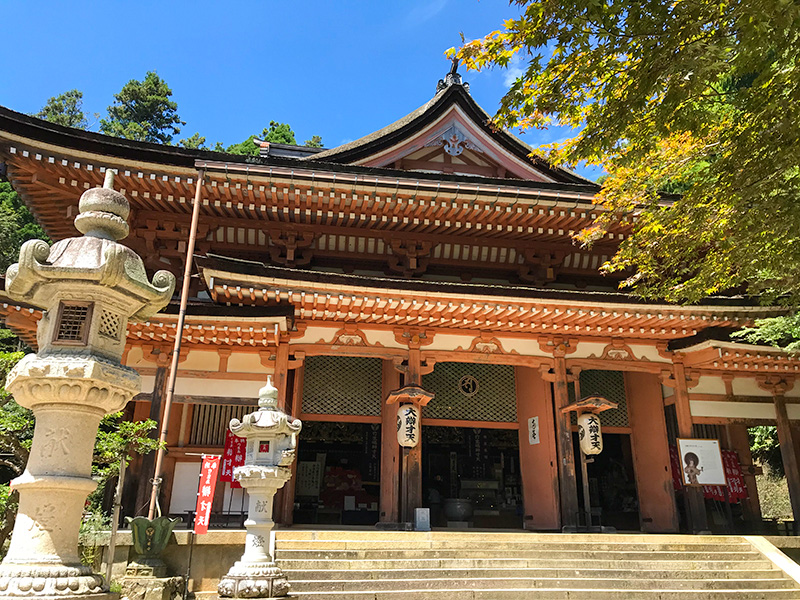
(450, 98)
(318, 296)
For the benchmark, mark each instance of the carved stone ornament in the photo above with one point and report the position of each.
(271, 446)
(89, 287)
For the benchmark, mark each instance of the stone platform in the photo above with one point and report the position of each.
(365, 564)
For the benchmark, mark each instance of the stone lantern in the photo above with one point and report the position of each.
(88, 287)
(271, 445)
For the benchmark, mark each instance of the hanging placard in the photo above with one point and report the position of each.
(408, 425)
(589, 433)
(533, 431)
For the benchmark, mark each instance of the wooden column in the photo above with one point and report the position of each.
(657, 509)
(740, 443)
(560, 377)
(413, 467)
(788, 452)
(293, 409)
(390, 449)
(281, 375)
(538, 462)
(148, 461)
(695, 503)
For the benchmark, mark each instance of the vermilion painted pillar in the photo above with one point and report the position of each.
(390, 449)
(538, 461)
(657, 509)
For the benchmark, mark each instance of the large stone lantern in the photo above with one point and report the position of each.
(89, 287)
(271, 444)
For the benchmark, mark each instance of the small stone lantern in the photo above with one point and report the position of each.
(271, 445)
(89, 287)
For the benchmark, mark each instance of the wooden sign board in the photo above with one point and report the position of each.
(701, 462)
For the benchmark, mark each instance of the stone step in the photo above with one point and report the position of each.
(588, 553)
(530, 573)
(319, 564)
(555, 594)
(544, 582)
(372, 534)
(475, 544)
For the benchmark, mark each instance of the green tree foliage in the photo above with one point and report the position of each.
(701, 96)
(276, 133)
(17, 226)
(314, 142)
(279, 133)
(766, 449)
(16, 436)
(143, 111)
(65, 109)
(194, 142)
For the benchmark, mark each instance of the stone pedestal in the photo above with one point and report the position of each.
(271, 444)
(152, 588)
(256, 575)
(88, 287)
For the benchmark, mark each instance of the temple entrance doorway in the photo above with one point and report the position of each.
(612, 483)
(339, 449)
(470, 477)
(338, 474)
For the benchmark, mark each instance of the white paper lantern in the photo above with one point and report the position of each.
(590, 433)
(408, 425)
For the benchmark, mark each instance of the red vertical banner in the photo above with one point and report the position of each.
(228, 452)
(205, 492)
(232, 457)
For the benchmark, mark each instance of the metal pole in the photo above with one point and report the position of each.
(176, 351)
(112, 542)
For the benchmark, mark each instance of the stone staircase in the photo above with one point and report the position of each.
(444, 565)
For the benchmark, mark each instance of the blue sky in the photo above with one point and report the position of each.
(339, 69)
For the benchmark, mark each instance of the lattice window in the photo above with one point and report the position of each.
(342, 385)
(110, 324)
(610, 385)
(210, 422)
(73, 320)
(471, 392)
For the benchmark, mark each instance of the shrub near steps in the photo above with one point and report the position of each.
(443, 565)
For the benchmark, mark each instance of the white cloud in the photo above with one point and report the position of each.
(426, 11)
(514, 70)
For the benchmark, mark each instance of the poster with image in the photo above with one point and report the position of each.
(701, 462)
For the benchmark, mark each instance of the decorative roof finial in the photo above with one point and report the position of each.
(103, 212)
(268, 395)
(452, 78)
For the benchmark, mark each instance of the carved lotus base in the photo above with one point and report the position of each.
(253, 581)
(49, 581)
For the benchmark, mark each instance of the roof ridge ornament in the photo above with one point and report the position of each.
(452, 78)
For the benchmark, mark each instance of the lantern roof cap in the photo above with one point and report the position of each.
(93, 259)
(593, 404)
(268, 418)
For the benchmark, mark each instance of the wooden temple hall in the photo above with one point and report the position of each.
(432, 255)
